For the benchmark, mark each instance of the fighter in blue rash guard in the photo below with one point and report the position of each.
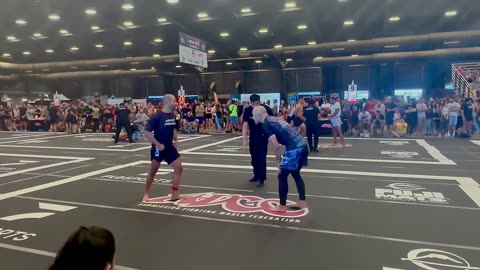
(293, 159)
(164, 146)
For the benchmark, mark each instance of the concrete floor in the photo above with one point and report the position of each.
(378, 204)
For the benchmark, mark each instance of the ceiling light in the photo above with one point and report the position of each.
(6, 55)
(158, 40)
(127, 6)
(163, 19)
(338, 49)
(128, 23)
(28, 71)
(351, 40)
(152, 67)
(11, 38)
(73, 67)
(49, 51)
(289, 59)
(133, 69)
(243, 49)
(342, 1)
(99, 46)
(320, 57)
(27, 53)
(178, 66)
(224, 34)
(74, 48)
(312, 43)
(278, 46)
(95, 28)
(156, 55)
(63, 31)
(246, 10)
(202, 15)
(37, 34)
(354, 55)
(289, 52)
(46, 70)
(451, 13)
(263, 30)
(90, 11)
(290, 5)
(229, 63)
(211, 51)
(394, 19)
(172, 1)
(451, 42)
(258, 61)
(102, 66)
(391, 46)
(21, 22)
(127, 43)
(302, 26)
(349, 22)
(54, 17)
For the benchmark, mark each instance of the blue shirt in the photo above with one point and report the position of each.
(284, 133)
(162, 125)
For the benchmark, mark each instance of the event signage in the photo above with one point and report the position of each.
(193, 50)
(352, 91)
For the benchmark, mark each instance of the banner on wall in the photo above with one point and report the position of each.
(139, 101)
(264, 98)
(115, 101)
(192, 50)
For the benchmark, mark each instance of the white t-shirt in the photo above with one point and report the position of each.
(325, 105)
(335, 107)
(453, 108)
(381, 108)
(421, 106)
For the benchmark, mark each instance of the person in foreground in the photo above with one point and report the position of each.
(91, 248)
(293, 159)
(164, 146)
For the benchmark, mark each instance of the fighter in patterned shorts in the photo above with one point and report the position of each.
(164, 146)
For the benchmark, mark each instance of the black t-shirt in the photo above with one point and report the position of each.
(23, 112)
(255, 130)
(311, 115)
(410, 114)
(429, 113)
(190, 118)
(240, 110)
(468, 111)
(122, 114)
(392, 107)
(52, 112)
(162, 125)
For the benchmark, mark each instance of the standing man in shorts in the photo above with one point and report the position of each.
(164, 146)
(53, 115)
(453, 110)
(200, 114)
(336, 121)
(233, 110)
(293, 159)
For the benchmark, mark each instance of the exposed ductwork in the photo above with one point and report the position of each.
(381, 42)
(81, 75)
(457, 52)
(82, 64)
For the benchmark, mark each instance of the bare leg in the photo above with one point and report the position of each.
(155, 165)
(334, 131)
(340, 134)
(177, 177)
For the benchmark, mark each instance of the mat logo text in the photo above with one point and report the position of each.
(406, 192)
(231, 202)
(433, 259)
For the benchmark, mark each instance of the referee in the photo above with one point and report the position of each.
(258, 143)
(122, 120)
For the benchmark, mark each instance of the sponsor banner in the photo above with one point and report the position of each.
(232, 205)
(115, 101)
(406, 192)
(432, 259)
(192, 50)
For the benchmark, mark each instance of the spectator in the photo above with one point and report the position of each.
(365, 119)
(421, 117)
(453, 109)
(91, 248)
(467, 115)
(378, 123)
(445, 119)
(411, 116)
(390, 113)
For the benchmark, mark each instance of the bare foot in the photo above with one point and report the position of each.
(146, 198)
(343, 146)
(300, 205)
(280, 208)
(333, 144)
(175, 196)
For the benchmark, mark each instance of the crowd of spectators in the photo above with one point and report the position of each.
(447, 117)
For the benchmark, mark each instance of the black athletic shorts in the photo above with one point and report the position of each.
(169, 154)
(297, 122)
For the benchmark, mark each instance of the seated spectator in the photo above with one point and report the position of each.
(91, 248)
(378, 123)
(190, 123)
(364, 119)
(400, 128)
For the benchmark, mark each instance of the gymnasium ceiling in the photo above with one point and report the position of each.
(64, 30)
